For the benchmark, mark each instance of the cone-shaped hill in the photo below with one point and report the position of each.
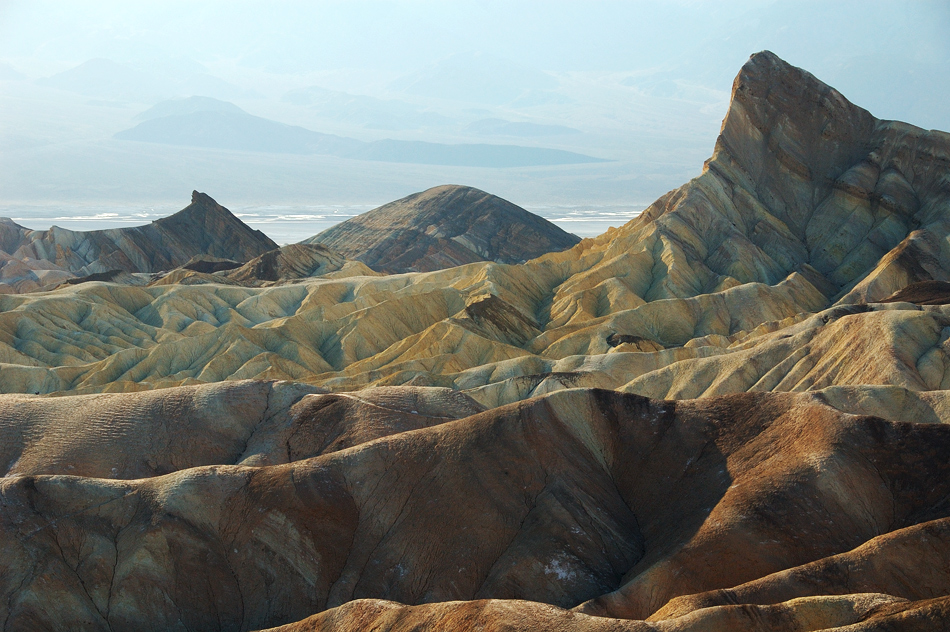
(443, 227)
(204, 227)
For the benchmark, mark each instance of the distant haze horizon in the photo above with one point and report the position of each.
(505, 97)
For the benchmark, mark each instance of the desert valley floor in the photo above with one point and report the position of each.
(731, 413)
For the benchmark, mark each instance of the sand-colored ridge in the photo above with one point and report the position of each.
(795, 212)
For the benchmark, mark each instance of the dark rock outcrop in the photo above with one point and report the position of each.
(285, 264)
(202, 227)
(612, 503)
(444, 227)
(922, 293)
(295, 261)
(206, 264)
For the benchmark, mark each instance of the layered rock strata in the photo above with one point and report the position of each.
(204, 227)
(718, 513)
(444, 227)
(467, 471)
(725, 285)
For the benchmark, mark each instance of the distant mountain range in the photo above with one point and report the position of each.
(206, 122)
(369, 112)
(480, 78)
(501, 127)
(9, 73)
(106, 79)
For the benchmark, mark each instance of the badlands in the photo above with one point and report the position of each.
(444, 227)
(31, 260)
(728, 414)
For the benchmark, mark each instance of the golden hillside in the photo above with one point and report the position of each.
(729, 414)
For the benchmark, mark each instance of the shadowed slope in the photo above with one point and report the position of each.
(202, 227)
(134, 435)
(558, 500)
(444, 227)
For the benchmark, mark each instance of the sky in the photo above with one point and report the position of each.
(641, 86)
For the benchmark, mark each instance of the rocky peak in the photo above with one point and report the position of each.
(204, 208)
(201, 198)
(206, 227)
(442, 227)
(788, 131)
(801, 181)
(11, 235)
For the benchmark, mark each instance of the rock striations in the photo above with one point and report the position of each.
(745, 278)
(286, 264)
(444, 227)
(615, 505)
(730, 414)
(204, 227)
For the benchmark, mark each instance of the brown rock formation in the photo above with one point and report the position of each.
(134, 435)
(922, 293)
(611, 501)
(296, 261)
(203, 227)
(287, 263)
(444, 227)
(876, 566)
(853, 613)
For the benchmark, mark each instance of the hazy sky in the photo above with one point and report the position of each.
(399, 35)
(641, 84)
(709, 39)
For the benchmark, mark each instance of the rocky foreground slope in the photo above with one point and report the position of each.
(745, 512)
(728, 414)
(444, 227)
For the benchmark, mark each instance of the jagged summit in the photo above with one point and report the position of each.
(783, 117)
(204, 227)
(443, 227)
(801, 182)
